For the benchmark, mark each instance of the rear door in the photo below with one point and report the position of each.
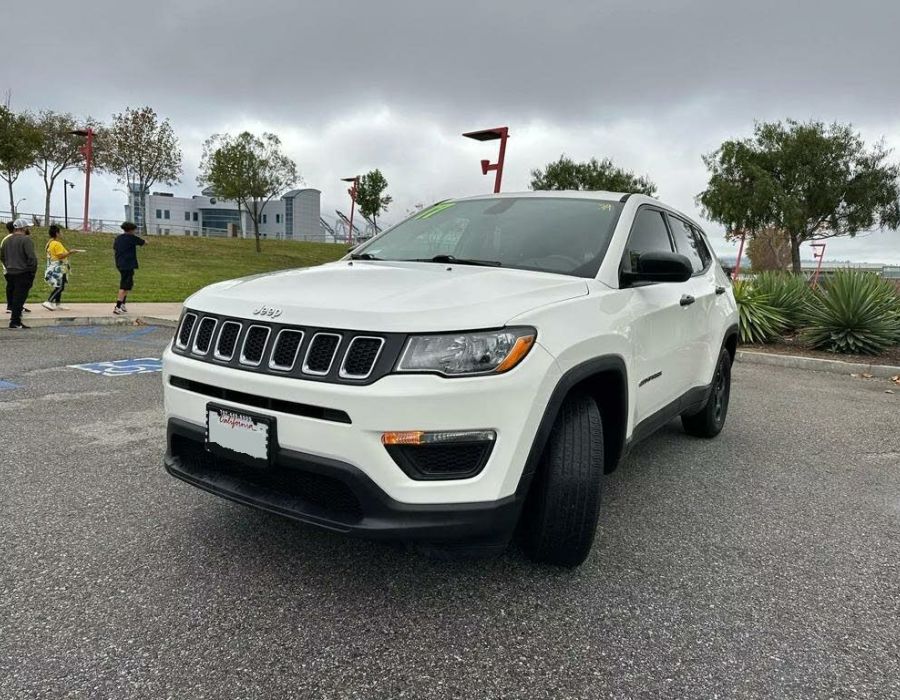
(660, 335)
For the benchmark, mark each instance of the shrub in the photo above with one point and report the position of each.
(760, 321)
(789, 294)
(853, 312)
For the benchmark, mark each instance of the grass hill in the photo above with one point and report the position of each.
(171, 267)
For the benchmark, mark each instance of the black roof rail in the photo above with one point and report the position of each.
(625, 197)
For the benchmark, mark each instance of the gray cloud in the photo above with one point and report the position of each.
(392, 84)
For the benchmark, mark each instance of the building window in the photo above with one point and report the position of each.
(166, 232)
(159, 213)
(159, 230)
(265, 218)
(187, 216)
(278, 218)
(195, 216)
(166, 214)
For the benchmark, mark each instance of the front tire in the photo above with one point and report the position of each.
(709, 420)
(565, 500)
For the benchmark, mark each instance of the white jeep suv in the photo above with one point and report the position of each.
(475, 368)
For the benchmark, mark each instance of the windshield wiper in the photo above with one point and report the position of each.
(444, 258)
(363, 256)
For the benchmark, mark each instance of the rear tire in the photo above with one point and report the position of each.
(709, 420)
(565, 500)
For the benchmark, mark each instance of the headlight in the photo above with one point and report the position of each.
(461, 354)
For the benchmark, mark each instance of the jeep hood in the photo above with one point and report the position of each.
(390, 296)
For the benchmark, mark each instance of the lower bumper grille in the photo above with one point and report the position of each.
(329, 497)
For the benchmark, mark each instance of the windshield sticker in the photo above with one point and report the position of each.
(436, 209)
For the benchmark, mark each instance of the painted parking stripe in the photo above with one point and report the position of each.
(7, 385)
(122, 368)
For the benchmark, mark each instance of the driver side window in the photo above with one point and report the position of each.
(648, 233)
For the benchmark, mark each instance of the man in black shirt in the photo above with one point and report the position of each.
(20, 264)
(125, 247)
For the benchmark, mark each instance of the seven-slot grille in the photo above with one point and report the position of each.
(318, 354)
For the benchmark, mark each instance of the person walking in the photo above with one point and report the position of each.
(58, 269)
(9, 232)
(125, 247)
(20, 262)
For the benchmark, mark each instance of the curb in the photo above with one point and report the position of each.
(817, 364)
(102, 321)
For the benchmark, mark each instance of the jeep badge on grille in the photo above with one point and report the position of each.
(269, 311)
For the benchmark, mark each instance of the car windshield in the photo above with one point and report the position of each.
(552, 234)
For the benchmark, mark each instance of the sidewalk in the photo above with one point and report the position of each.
(101, 314)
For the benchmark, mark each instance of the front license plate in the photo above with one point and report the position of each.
(246, 437)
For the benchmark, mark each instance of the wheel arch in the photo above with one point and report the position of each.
(731, 341)
(605, 379)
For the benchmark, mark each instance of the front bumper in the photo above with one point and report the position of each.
(336, 495)
(341, 423)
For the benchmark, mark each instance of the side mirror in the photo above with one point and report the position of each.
(659, 266)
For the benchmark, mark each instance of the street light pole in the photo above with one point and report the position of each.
(501, 133)
(352, 192)
(66, 185)
(88, 151)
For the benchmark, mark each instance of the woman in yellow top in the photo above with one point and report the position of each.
(57, 272)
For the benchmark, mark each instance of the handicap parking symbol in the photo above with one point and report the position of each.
(122, 368)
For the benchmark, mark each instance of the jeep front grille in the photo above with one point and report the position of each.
(316, 354)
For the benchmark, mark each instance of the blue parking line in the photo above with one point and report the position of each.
(8, 385)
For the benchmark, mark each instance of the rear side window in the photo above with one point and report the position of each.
(687, 243)
(702, 248)
(648, 234)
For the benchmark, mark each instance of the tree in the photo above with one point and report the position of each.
(807, 180)
(769, 249)
(369, 197)
(248, 169)
(59, 150)
(566, 174)
(19, 141)
(140, 151)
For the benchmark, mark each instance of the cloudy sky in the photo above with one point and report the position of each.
(357, 84)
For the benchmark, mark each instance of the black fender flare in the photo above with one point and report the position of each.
(570, 379)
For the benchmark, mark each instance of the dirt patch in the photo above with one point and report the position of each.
(792, 346)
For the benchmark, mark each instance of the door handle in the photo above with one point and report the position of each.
(686, 300)
(720, 290)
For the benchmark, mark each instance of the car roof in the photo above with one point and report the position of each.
(632, 197)
(561, 194)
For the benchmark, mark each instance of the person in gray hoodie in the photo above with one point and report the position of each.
(20, 262)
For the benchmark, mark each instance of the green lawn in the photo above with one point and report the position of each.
(171, 267)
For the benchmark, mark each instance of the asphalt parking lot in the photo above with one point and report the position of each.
(765, 563)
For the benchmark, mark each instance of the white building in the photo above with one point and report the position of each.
(295, 215)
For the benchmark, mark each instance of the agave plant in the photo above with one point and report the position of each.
(788, 293)
(853, 312)
(760, 321)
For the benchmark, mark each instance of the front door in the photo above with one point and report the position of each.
(662, 340)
